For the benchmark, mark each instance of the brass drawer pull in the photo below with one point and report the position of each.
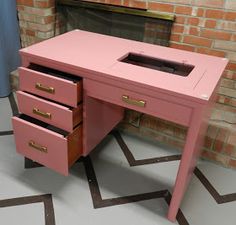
(38, 147)
(139, 103)
(40, 87)
(43, 114)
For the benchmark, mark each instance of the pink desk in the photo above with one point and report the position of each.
(175, 85)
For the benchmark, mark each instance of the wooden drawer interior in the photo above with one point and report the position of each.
(53, 72)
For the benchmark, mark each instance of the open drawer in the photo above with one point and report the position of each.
(47, 145)
(51, 84)
(63, 117)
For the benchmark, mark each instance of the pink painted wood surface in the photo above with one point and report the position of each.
(65, 90)
(57, 156)
(61, 116)
(96, 57)
(99, 118)
(154, 106)
(87, 53)
(194, 141)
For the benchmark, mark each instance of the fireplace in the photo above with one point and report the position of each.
(130, 23)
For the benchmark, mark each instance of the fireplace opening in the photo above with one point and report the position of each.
(158, 64)
(119, 21)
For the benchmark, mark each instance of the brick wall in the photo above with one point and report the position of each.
(36, 19)
(204, 26)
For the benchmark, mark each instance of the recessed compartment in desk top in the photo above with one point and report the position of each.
(46, 144)
(170, 67)
(52, 113)
(51, 84)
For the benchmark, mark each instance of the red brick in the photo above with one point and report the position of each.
(210, 23)
(183, 10)
(177, 28)
(182, 47)
(209, 155)
(220, 140)
(114, 2)
(180, 133)
(40, 27)
(231, 66)
(175, 37)
(209, 51)
(209, 3)
(180, 19)
(197, 41)
(208, 142)
(215, 14)
(230, 150)
(232, 163)
(227, 83)
(135, 4)
(30, 32)
(39, 11)
(160, 7)
(222, 159)
(139, 4)
(233, 38)
(218, 146)
(227, 25)
(200, 12)
(25, 2)
(185, 2)
(49, 19)
(194, 31)
(227, 100)
(44, 3)
(230, 16)
(213, 34)
(193, 21)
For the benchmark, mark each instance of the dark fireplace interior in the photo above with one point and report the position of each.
(129, 23)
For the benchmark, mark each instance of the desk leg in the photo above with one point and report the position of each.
(194, 141)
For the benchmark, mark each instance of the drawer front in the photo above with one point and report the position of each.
(51, 87)
(154, 106)
(47, 147)
(48, 112)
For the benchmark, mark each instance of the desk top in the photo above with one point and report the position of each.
(102, 54)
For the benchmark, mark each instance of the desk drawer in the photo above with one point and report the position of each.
(154, 106)
(57, 115)
(47, 145)
(51, 84)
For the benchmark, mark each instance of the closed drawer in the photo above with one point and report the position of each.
(51, 84)
(52, 113)
(154, 106)
(47, 145)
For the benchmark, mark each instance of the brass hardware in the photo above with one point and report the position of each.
(117, 9)
(38, 147)
(43, 114)
(139, 103)
(40, 87)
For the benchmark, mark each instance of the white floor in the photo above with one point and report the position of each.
(72, 197)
